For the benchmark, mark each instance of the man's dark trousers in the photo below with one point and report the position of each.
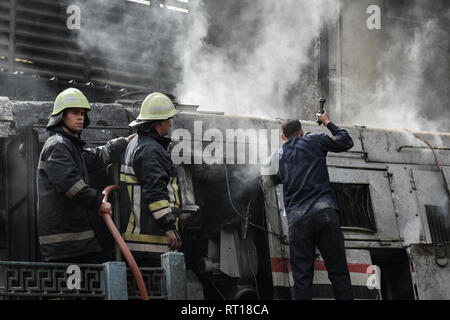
(322, 230)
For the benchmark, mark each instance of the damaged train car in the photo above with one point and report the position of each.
(392, 188)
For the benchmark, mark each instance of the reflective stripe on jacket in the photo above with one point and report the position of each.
(149, 194)
(65, 198)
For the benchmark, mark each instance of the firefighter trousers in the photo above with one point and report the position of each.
(324, 231)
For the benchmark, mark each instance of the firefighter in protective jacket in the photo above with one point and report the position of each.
(65, 198)
(149, 192)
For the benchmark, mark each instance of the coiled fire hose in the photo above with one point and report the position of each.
(123, 246)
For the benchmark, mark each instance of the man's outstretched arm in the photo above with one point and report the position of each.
(340, 141)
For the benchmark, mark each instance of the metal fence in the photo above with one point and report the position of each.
(108, 281)
(32, 280)
(155, 284)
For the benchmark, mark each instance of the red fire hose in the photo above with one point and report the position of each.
(123, 246)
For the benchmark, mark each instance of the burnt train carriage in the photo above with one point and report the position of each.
(394, 205)
(394, 200)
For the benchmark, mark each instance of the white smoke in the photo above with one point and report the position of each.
(412, 85)
(261, 58)
(142, 42)
(254, 76)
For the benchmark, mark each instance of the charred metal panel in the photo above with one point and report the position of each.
(430, 190)
(396, 146)
(30, 112)
(21, 162)
(446, 177)
(6, 129)
(3, 197)
(337, 160)
(380, 193)
(238, 257)
(187, 190)
(5, 110)
(228, 253)
(107, 121)
(406, 206)
(283, 282)
(431, 270)
(6, 118)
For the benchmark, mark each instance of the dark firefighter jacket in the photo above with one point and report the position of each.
(149, 194)
(304, 174)
(64, 196)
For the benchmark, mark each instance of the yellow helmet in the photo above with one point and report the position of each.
(156, 106)
(69, 98)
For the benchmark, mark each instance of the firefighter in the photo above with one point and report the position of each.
(65, 198)
(311, 207)
(149, 197)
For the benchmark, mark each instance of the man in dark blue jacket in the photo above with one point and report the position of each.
(311, 207)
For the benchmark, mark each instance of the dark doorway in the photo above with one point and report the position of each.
(396, 281)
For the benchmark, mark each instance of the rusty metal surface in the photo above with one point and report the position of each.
(430, 191)
(432, 279)
(405, 204)
(6, 118)
(396, 146)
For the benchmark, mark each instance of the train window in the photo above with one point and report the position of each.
(438, 223)
(355, 206)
